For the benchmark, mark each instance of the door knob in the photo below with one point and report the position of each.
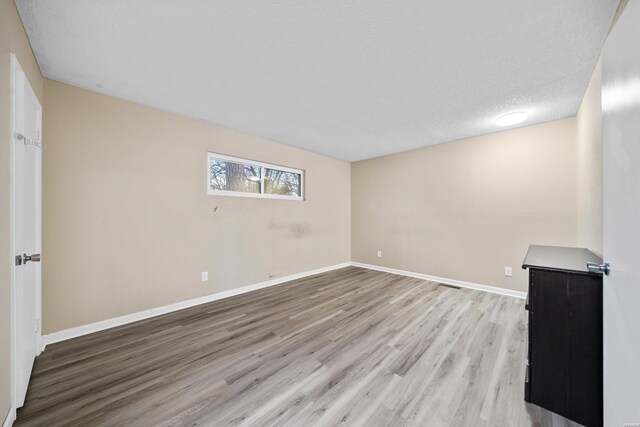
(594, 267)
(33, 258)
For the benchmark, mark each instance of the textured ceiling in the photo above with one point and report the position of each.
(351, 79)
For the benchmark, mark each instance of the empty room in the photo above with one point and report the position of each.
(299, 213)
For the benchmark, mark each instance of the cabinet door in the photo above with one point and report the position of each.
(566, 344)
(550, 346)
(585, 367)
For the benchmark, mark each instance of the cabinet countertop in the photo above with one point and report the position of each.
(560, 258)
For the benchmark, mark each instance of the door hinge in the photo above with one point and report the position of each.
(18, 259)
(37, 325)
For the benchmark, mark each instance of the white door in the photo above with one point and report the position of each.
(26, 219)
(621, 133)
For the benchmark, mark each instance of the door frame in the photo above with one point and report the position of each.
(15, 68)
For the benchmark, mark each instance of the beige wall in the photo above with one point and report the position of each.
(12, 40)
(464, 210)
(128, 225)
(119, 177)
(589, 192)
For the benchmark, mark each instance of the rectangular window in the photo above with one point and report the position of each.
(233, 176)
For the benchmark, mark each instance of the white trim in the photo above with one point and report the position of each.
(454, 282)
(146, 314)
(225, 193)
(11, 417)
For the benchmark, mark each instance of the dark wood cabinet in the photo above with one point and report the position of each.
(564, 366)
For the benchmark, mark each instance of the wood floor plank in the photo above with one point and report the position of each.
(351, 347)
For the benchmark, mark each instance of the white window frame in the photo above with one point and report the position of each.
(262, 166)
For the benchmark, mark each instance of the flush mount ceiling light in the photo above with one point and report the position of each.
(512, 119)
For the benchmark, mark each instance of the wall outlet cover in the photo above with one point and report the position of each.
(508, 271)
(205, 276)
(379, 254)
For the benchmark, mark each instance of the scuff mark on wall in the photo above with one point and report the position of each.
(299, 230)
(295, 230)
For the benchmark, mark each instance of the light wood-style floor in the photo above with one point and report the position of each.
(352, 347)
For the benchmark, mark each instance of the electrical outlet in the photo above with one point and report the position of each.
(204, 276)
(508, 271)
(379, 254)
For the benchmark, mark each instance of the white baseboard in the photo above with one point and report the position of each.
(11, 417)
(454, 282)
(146, 314)
(40, 344)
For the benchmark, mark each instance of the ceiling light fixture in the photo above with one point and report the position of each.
(512, 119)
